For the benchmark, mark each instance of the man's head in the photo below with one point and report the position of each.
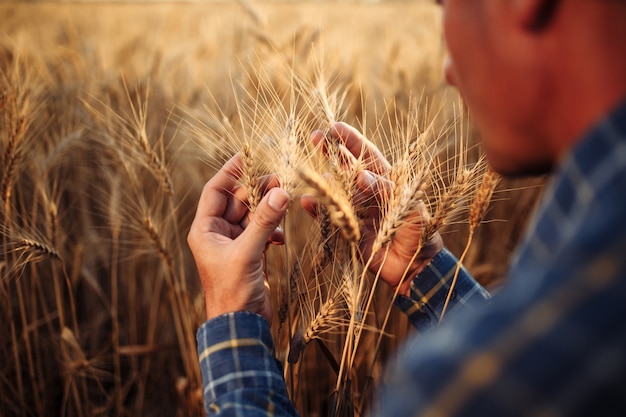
(529, 71)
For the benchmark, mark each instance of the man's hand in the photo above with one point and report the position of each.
(228, 242)
(400, 259)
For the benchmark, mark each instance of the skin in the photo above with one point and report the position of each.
(399, 261)
(224, 233)
(534, 83)
(534, 90)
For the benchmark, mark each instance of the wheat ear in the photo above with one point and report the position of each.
(250, 177)
(477, 212)
(340, 210)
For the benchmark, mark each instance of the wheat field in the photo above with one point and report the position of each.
(113, 116)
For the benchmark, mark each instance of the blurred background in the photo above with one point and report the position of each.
(107, 135)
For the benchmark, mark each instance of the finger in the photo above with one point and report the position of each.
(277, 237)
(238, 207)
(317, 137)
(310, 204)
(371, 186)
(346, 158)
(264, 222)
(217, 191)
(360, 147)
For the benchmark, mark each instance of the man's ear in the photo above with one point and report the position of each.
(535, 15)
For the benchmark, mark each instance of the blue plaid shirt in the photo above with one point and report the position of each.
(551, 343)
(240, 376)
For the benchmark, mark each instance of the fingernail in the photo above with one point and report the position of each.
(368, 179)
(278, 199)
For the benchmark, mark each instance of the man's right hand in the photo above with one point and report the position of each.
(228, 242)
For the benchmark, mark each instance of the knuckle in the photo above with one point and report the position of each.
(262, 219)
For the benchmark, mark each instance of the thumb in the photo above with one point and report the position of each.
(264, 221)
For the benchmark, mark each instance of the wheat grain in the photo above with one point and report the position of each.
(482, 198)
(480, 203)
(339, 208)
(250, 174)
(397, 210)
(324, 320)
(327, 241)
(37, 247)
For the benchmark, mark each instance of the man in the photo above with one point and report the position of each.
(545, 81)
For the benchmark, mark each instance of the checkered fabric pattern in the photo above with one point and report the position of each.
(430, 289)
(240, 375)
(551, 343)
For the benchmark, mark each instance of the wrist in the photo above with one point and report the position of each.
(422, 262)
(258, 304)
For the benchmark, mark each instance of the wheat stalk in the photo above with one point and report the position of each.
(477, 211)
(109, 180)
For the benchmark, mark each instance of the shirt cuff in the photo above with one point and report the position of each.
(429, 290)
(237, 364)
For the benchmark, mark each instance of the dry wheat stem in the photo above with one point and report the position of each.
(396, 291)
(357, 331)
(26, 338)
(115, 324)
(341, 377)
(179, 306)
(367, 307)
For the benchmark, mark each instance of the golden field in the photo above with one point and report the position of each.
(113, 116)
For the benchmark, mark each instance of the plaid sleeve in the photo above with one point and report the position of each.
(239, 372)
(430, 288)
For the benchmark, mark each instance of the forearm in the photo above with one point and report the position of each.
(239, 372)
(430, 288)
